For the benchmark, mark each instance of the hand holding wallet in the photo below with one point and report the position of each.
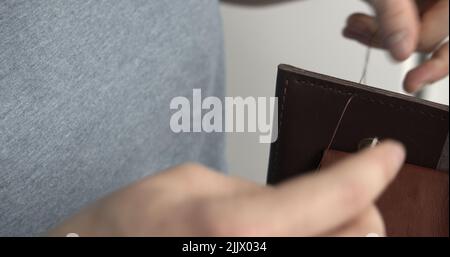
(322, 119)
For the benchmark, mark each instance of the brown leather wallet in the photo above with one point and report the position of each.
(317, 113)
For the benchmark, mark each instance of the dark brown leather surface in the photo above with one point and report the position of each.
(415, 204)
(310, 106)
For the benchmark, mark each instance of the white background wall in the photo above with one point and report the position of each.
(306, 34)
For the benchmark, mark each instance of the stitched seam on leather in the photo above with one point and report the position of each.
(283, 101)
(368, 99)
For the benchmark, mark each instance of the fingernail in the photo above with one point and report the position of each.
(398, 45)
(415, 89)
(358, 29)
(411, 89)
(397, 153)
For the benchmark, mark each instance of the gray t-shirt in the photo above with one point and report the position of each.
(85, 88)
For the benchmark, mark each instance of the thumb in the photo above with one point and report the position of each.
(399, 26)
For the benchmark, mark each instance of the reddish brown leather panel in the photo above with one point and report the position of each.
(415, 204)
